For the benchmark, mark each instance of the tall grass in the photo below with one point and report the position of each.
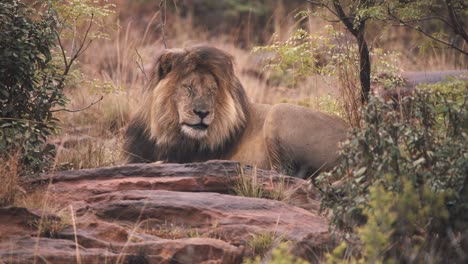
(9, 176)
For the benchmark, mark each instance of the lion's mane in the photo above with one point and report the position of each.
(154, 133)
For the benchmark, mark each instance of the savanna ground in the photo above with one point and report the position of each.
(107, 80)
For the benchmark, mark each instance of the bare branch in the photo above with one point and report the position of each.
(344, 18)
(458, 25)
(141, 67)
(323, 5)
(62, 49)
(78, 110)
(162, 18)
(420, 30)
(439, 17)
(85, 48)
(82, 44)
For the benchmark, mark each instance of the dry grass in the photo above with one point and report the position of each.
(250, 186)
(168, 230)
(261, 243)
(90, 153)
(50, 226)
(9, 176)
(54, 217)
(280, 189)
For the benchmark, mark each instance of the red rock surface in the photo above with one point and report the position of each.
(161, 213)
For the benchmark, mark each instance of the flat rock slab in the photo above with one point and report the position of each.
(203, 210)
(162, 213)
(63, 251)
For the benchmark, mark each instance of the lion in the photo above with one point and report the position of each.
(195, 109)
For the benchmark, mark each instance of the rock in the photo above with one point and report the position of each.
(429, 77)
(410, 80)
(163, 213)
(45, 250)
(203, 210)
(16, 221)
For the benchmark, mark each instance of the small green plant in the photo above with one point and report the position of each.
(279, 255)
(261, 243)
(297, 57)
(168, 230)
(50, 226)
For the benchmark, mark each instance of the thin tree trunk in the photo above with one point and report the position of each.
(364, 58)
(364, 67)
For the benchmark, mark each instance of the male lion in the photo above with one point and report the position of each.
(196, 109)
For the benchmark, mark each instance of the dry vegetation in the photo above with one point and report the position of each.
(9, 176)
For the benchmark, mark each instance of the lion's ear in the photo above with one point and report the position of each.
(165, 63)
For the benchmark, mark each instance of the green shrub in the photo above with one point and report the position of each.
(328, 54)
(279, 255)
(29, 85)
(34, 68)
(403, 189)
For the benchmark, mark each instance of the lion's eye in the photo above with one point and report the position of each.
(189, 89)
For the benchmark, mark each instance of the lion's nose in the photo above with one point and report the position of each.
(200, 113)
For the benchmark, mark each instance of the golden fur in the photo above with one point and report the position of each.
(195, 109)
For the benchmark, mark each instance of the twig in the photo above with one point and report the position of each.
(141, 66)
(162, 18)
(82, 45)
(77, 246)
(62, 49)
(78, 110)
(323, 5)
(420, 30)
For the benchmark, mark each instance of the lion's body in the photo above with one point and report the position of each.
(290, 139)
(197, 110)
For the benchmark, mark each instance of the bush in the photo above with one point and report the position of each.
(35, 66)
(330, 55)
(29, 85)
(279, 255)
(403, 189)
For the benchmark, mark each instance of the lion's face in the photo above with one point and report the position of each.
(195, 101)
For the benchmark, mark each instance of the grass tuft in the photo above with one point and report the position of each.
(248, 186)
(168, 231)
(9, 175)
